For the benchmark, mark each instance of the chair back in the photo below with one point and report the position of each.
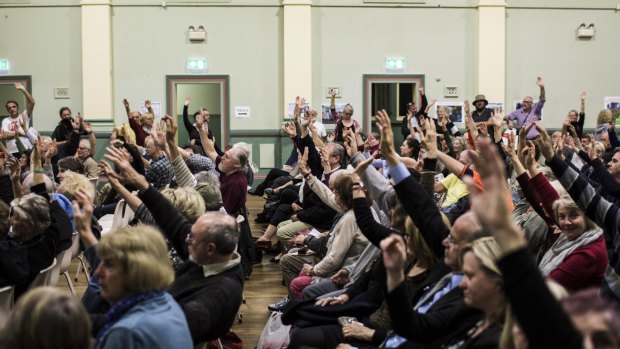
(6, 303)
(44, 278)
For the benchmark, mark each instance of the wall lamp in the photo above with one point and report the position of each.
(196, 35)
(584, 32)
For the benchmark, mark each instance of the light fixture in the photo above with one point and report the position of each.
(196, 35)
(584, 32)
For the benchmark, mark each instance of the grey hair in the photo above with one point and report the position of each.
(207, 177)
(33, 208)
(223, 232)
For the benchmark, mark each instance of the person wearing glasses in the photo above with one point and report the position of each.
(529, 110)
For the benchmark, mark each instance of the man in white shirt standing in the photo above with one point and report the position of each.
(11, 124)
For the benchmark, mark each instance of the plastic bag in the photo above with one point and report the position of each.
(275, 335)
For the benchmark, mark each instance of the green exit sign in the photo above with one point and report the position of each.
(394, 65)
(197, 65)
(4, 65)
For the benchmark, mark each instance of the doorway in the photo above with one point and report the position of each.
(8, 92)
(392, 93)
(208, 92)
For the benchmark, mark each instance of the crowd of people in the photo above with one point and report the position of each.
(500, 235)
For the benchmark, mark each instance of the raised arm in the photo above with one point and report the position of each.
(188, 124)
(207, 144)
(29, 99)
(413, 197)
(535, 308)
(541, 84)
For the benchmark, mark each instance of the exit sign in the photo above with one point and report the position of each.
(4, 66)
(394, 65)
(197, 65)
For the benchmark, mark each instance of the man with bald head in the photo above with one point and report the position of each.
(209, 283)
(530, 111)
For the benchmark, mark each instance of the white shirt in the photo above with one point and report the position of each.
(10, 124)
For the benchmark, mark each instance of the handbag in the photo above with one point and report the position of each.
(275, 334)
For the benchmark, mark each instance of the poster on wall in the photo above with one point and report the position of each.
(518, 104)
(613, 104)
(242, 112)
(327, 116)
(291, 110)
(493, 105)
(453, 109)
(156, 106)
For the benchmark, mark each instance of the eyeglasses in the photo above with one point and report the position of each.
(452, 240)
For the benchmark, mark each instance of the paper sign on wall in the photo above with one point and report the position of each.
(242, 112)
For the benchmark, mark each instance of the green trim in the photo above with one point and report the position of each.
(255, 133)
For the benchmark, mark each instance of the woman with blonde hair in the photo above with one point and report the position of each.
(47, 318)
(133, 273)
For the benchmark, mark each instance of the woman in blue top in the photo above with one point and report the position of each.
(133, 273)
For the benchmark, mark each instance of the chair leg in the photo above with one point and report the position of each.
(82, 265)
(68, 278)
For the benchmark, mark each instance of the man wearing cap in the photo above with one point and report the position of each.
(481, 114)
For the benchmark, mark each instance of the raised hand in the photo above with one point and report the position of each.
(159, 136)
(88, 128)
(350, 143)
(188, 101)
(362, 166)
(540, 82)
(126, 173)
(52, 150)
(387, 137)
(421, 90)
(430, 139)
(498, 117)
(300, 102)
(83, 210)
(13, 164)
(20, 86)
(394, 253)
(302, 162)
(490, 205)
(583, 96)
(289, 129)
(126, 104)
(147, 104)
(171, 127)
(466, 107)
(544, 142)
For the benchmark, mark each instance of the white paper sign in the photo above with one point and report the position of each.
(242, 112)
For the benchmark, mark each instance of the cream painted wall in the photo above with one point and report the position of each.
(244, 43)
(45, 43)
(544, 42)
(350, 42)
(348, 39)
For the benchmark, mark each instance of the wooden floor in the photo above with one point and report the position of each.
(263, 288)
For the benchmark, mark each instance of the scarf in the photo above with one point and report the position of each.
(563, 247)
(120, 309)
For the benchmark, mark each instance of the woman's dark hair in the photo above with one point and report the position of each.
(72, 164)
(415, 146)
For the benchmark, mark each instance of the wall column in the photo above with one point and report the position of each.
(297, 50)
(97, 60)
(492, 49)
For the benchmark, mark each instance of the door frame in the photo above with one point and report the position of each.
(369, 79)
(222, 80)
